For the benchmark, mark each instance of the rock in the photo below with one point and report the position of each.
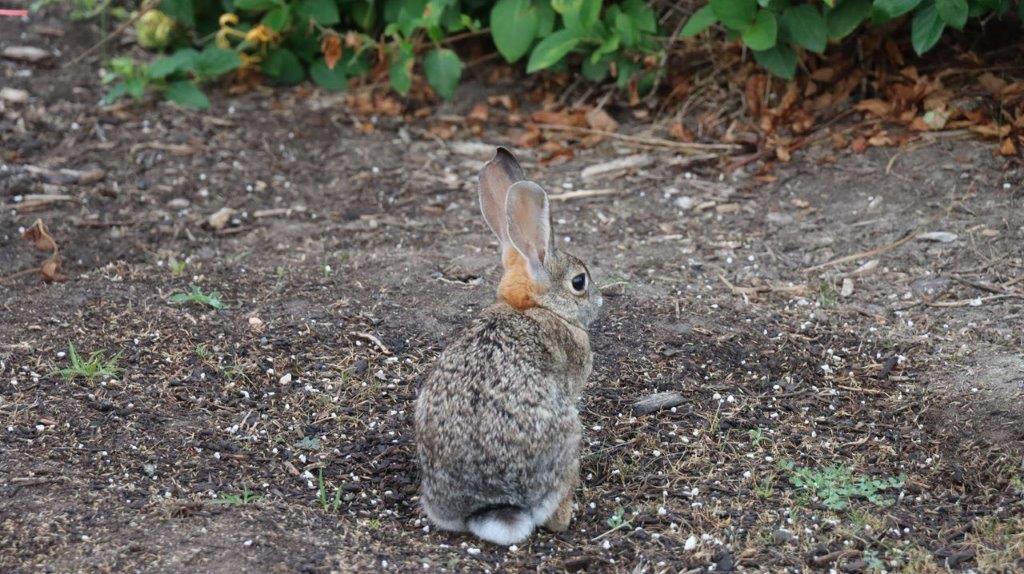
(29, 54)
(865, 269)
(779, 218)
(616, 166)
(937, 236)
(782, 536)
(286, 379)
(178, 203)
(256, 324)
(657, 402)
(930, 287)
(691, 543)
(685, 202)
(13, 95)
(220, 218)
(847, 289)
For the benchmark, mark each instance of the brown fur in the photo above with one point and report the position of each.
(516, 287)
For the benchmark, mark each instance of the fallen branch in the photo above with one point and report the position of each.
(976, 302)
(374, 340)
(583, 193)
(869, 253)
(685, 147)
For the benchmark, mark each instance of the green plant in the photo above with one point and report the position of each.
(828, 297)
(196, 295)
(765, 488)
(177, 76)
(177, 267)
(332, 41)
(95, 366)
(756, 436)
(326, 503)
(835, 486)
(775, 30)
(246, 497)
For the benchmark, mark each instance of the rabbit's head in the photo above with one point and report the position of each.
(536, 273)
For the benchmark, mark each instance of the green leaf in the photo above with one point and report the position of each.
(580, 16)
(136, 87)
(514, 26)
(763, 33)
(545, 18)
(895, 8)
(952, 12)
(284, 66)
(780, 60)
(551, 50)
(806, 27)
(323, 12)
(642, 16)
(846, 17)
(187, 95)
(305, 46)
(701, 20)
(331, 80)
(255, 5)
(627, 32)
(400, 70)
(278, 18)
(214, 61)
(364, 14)
(443, 70)
(117, 91)
(595, 71)
(735, 14)
(181, 11)
(185, 59)
(926, 29)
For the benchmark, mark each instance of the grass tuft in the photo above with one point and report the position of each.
(95, 366)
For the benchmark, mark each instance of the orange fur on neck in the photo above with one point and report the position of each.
(516, 287)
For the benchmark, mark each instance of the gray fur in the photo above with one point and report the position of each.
(497, 426)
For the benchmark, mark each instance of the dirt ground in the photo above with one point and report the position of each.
(350, 260)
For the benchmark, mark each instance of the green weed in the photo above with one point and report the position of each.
(835, 486)
(95, 366)
(211, 299)
(242, 499)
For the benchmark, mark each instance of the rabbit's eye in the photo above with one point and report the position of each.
(579, 282)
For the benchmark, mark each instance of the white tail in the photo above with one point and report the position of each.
(505, 525)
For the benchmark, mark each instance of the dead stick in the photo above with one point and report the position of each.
(146, 7)
(869, 253)
(582, 193)
(648, 141)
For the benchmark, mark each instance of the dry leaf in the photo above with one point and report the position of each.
(40, 237)
(874, 106)
(1007, 147)
(479, 113)
(754, 92)
(504, 101)
(991, 83)
(880, 140)
(782, 152)
(859, 144)
(50, 269)
(530, 138)
(679, 132)
(574, 119)
(599, 119)
(330, 45)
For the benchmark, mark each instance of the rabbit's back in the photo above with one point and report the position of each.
(496, 420)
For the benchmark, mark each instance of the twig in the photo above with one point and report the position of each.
(583, 193)
(977, 302)
(686, 147)
(146, 7)
(869, 253)
(374, 340)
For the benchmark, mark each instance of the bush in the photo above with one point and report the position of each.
(331, 41)
(775, 30)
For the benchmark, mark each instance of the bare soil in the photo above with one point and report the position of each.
(352, 258)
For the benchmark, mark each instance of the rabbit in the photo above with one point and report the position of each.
(497, 426)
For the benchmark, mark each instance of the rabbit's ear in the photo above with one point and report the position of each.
(496, 177)
(529, 226)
